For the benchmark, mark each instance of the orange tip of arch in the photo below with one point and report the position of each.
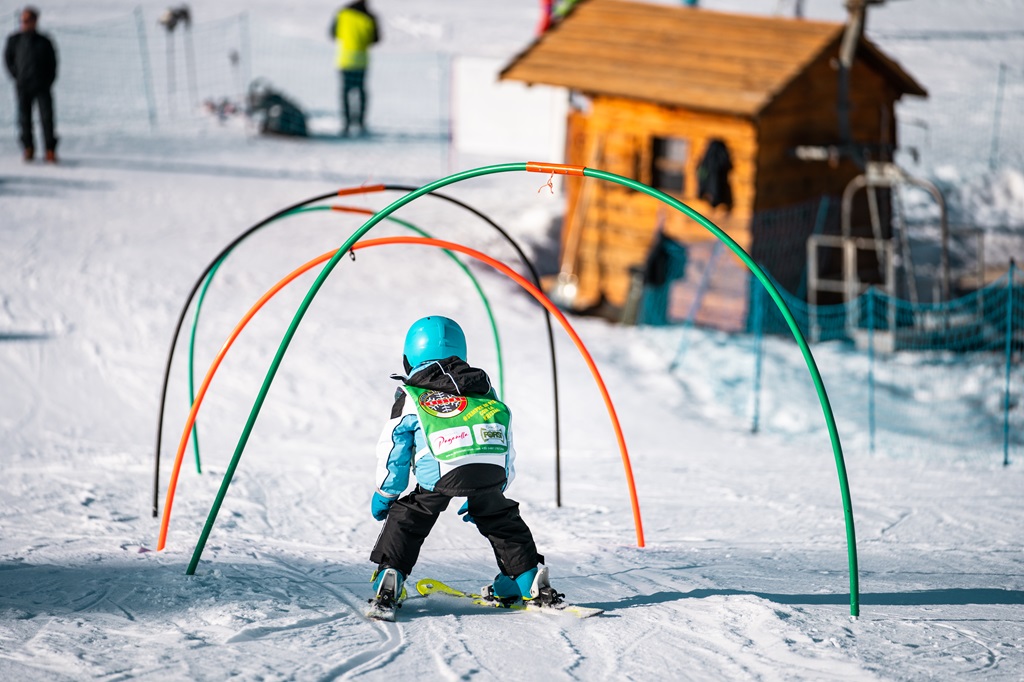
(556, 168)
(363, 189)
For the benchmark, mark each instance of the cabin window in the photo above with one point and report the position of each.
(668, 163)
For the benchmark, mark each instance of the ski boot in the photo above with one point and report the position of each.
(532, 587)
(389, 591)
(503, 590)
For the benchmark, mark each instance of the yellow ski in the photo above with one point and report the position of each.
(430, 586)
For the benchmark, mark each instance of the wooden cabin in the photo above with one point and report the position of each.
(652, 85)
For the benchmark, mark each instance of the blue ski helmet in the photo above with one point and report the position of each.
(433, 338)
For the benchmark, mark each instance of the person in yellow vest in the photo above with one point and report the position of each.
(354, 29)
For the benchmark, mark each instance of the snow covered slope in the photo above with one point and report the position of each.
(744, 574)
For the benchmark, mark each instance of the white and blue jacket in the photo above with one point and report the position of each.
(402, 448)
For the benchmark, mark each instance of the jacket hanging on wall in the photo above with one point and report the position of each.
(713, 175)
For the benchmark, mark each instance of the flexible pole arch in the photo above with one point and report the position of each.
(340, 209)
(773, 291)
(462, 266)
(501, 267)
(184, 311)
(172, 485)
(563, 169)
(191, 368)
(349, 191)
(547, 319)
(297, 318)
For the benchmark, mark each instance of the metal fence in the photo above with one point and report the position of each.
(131, 73)
(929, 379)
(973, 117)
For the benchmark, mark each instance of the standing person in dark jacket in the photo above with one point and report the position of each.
(354, 29)
(451, 433)
(32, 62)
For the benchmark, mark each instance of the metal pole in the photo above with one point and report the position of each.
(190, 67)
(812, 287)
(147, 77)
(819, 226)
(932, 189)
(847, 205)
(695, 305)
(757, 300)
(171, 86)
(246, 49)
(871, 366)
(1009, 358)
(994, 149)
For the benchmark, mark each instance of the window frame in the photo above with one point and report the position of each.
(670, 156)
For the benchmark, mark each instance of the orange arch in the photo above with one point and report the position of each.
(172, 485)
(451, 246)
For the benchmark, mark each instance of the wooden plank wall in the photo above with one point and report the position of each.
(618, 225)
(806, 114)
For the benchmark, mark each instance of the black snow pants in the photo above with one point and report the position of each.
(44, 100)
(497, 518)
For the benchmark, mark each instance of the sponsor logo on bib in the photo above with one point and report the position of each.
(441, 404)
(446, 440)
(488, 434)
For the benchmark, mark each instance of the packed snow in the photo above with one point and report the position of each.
(744, 571)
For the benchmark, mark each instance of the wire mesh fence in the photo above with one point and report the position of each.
(972, 118)
(132, 73)
(928, 379)
(103, 77)
(956, 371)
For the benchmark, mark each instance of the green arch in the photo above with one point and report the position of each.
(754, 268)
(819, 385)
(307, 209)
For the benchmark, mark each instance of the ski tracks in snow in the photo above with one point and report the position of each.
(392, 644)
(669, 624)
(392, 640)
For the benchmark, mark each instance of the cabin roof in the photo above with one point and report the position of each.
(683, 56)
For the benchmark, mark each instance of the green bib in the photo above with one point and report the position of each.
(460, 425)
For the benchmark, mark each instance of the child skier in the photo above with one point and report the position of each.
(448, 428)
